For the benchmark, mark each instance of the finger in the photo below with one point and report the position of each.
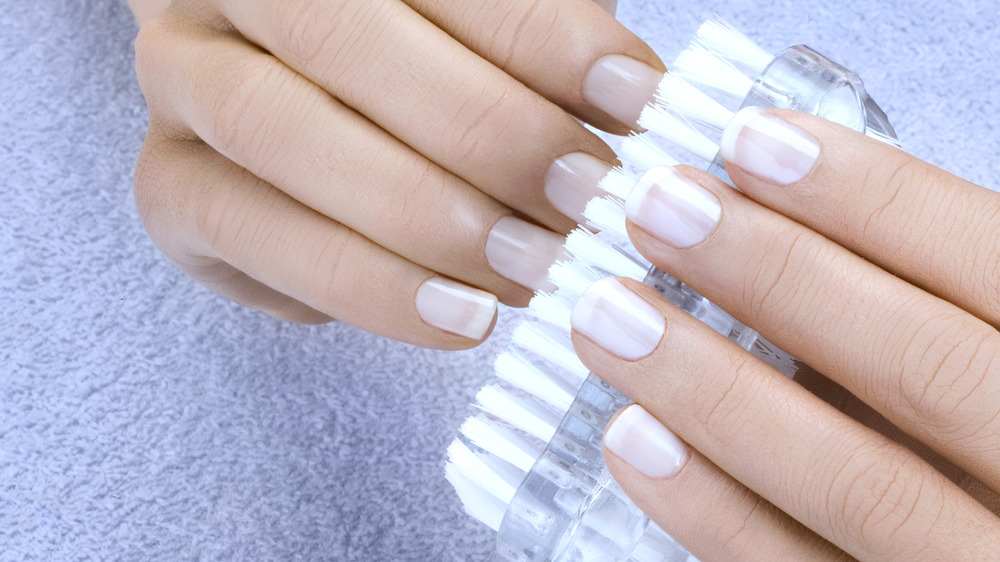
(697, 504)
(864, 493)
(242, 234)
(571, 51)
(286, 131)
(925, 225)
(426, 89)
(926, 365)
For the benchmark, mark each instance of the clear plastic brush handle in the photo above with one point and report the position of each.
(569, 508)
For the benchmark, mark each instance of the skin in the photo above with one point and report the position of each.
(322, 159)
(880, 272)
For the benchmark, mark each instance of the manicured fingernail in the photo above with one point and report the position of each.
(572, 181)
(639, 439)
(611, 6)
(768, 147)
(673, 208)
(523, 252)
(618, 320)
(621, 86)
(456, 308)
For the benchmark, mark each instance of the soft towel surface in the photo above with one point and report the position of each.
(142, 418)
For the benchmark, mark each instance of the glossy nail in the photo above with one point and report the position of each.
(768, 147)
(456, 308)
(610, 6)
(571, 183)
(523, 252)
(621, 86)
(647, 445)
(673, 208)
(618, 320)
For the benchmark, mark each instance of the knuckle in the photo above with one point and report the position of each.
(777, 282)
(719, 412)
(475, 127)
(947, 361)
(888, 505)
(321, 35)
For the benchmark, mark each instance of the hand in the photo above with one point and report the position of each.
(398, 165)
(877, 270)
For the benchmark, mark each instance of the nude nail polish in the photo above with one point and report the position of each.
(456, 308)
(673, 208)
(640, 440)
(621, 86)
(618, 320)
(769, 147)
(523, 252)
(572, 181)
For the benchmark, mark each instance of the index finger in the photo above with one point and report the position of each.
(573, 52)
(913, 219)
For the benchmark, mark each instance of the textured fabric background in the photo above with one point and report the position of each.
(142, 418)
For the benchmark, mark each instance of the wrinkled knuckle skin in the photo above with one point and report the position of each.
(720, 411)
(955, 360)
(885, 504)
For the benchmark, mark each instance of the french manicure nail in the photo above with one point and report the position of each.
(673, 208)
(647, 445)
(768, 147)
(456, 308)
(523, 252)
(621, 86)
(618, 320)
(571, 183)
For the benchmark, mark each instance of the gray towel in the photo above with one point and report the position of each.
(143, 418)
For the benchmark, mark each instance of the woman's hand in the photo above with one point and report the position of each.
(877, 270)
(397, 165)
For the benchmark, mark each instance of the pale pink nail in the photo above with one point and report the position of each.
(673, 208)
(571, 183)
(621, 86)
(640, 440)
(456, 308)
(768, 147)
(523, 252)
(618, 320)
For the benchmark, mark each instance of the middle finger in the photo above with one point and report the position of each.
(415, 81)
(923, 363)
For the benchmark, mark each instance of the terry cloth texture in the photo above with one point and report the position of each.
(143, 418)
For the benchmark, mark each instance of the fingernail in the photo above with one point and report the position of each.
(571, 183)
(610, 6)
(523, 252)
(618, 320)
(673, 208)
(639, 439)
(621, 86)
(456, 308)
(768, 147)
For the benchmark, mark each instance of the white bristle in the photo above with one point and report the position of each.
(590, 250)
(501, 442)
(484, 471)
(525, 415)
(641, 151)
(699, 66)
(551, 309)
(678, 131)
(679, 96)
(575, 277)
(477, 502)
(522, 374)
(727, 42)
(606, 214)
(554, 347)
(617, 183)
